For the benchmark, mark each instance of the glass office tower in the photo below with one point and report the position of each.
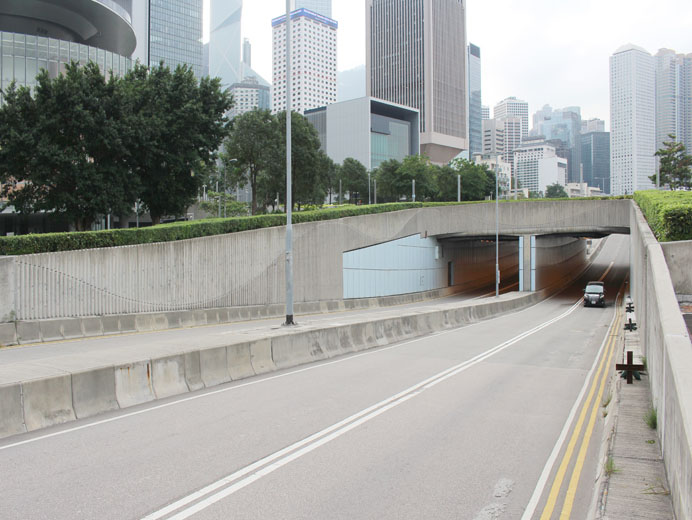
(175, 33)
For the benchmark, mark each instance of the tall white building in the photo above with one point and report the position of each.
(632, 120)
(313, 61)
(673, 97)
(537, 166)
(513, 107)
(416, 56)
(323, 7)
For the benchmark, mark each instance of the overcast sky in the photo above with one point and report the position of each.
(542, 51)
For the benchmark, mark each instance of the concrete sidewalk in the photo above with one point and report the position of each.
(632, 483)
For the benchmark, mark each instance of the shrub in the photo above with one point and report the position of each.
(669, 213)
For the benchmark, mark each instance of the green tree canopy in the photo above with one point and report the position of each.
(308, 179)
(555, 191)
(387, 183)
(477, 181)
(675, 165)
(68, 144)
(354, 178)
(252, 141)
(177, 126)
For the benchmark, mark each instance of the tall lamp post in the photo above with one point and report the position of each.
(497, 236)
(289, 195)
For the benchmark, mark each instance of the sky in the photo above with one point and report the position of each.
(542, 51)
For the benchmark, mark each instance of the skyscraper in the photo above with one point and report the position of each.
(323, 7)
(632, 120)
(595, 159)
(416, 56)
(224, 41)
(313, 61)
(673, 97)
(474, 93)
(513, 107)
(49, 34)
(175, 33)
(169, 31)
(565, 125)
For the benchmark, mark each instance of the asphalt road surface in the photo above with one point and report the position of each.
(500, 419)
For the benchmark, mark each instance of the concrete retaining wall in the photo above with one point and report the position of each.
(679, 260)
(668, 353)
(30, 405)
(247, 269)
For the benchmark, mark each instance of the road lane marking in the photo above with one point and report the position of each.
(268, 465)
(180, 400)
(576, 433)
(545, 474)
(606, 272)
(579, 465)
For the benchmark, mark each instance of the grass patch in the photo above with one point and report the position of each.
(610, 467)
(651, 418)
(646, 367)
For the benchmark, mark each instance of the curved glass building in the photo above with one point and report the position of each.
(48, 34)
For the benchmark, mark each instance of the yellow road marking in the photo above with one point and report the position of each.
(576, 472)
(560, 475)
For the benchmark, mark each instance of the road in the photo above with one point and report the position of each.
(470, 423)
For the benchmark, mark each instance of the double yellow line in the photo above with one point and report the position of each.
(599, 381)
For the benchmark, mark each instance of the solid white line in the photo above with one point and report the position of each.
(320, 438)
(547, 469)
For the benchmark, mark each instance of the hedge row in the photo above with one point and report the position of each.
(669, 213)
(51, 242)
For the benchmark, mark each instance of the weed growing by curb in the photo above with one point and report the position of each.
(651, 418)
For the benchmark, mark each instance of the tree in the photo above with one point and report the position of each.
(354, 178)
(418, 168)
(446, 183)
(252, 140)
(177, 126)
(555, 191)
(675, 165)
(308, 179)
(331, 172)
(69, 145)
(387, 180)
(477, 181)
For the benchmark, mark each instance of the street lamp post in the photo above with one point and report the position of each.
(413, 189)
(369, 199)
(289, 195)
(497, 236)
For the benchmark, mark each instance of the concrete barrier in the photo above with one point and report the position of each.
(93, 392)
(47, 402)
(133, 384)
(87, 393)
(239, 359)
(668, 351)
(213, 364)
(261, 356)
(168, 375)
(11, 410)
(193, 371)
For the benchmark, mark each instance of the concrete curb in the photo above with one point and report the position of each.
(31, 405)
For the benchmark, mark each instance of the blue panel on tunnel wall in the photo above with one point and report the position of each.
(407, 265)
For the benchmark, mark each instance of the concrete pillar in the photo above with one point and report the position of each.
(527, 263)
